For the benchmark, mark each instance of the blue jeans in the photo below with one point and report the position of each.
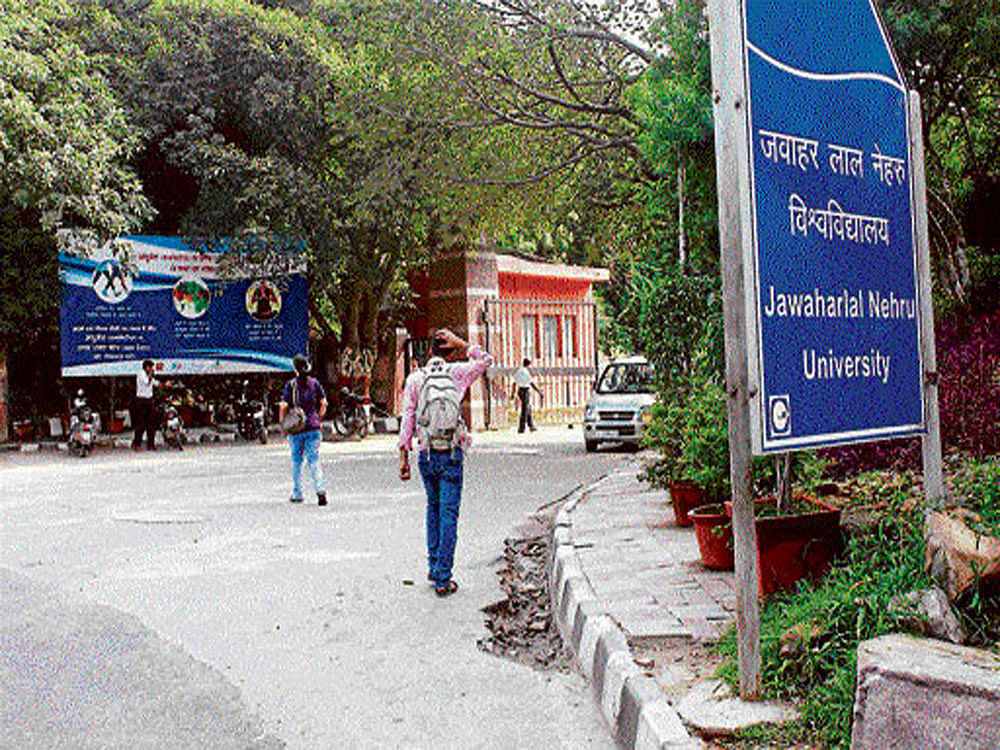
(442, 475)
(305, 445)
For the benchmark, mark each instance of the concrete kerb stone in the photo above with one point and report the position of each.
(609, 643)
(634, 707)
(647, 716)
(564, 565)
(591, 630)
(618, 670)
(575, 591)
(588, 611)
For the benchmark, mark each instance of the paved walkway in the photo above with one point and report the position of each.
(624, 577)
(644, 568)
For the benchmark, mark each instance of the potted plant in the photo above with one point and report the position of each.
(685, 496)
(704, 440)
(797, 542)
(798, 536)
(692, 431)
(714, 532)
(671, 469)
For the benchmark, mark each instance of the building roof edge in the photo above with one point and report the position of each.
(511, 264)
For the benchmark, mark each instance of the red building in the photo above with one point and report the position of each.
(515, 308)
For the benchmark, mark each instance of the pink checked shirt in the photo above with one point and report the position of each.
(463, 373)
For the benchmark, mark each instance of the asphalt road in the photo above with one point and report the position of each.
(178, 600)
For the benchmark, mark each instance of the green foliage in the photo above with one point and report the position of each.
(65, 140)
(704, 437)
(806, 469)
(29, 287)
(673, 99)
(675, 320)
(977, 487)
(690, 427)
(831, 617)
(984, 281)
(64, 137)
(665, 314)
(948, 50)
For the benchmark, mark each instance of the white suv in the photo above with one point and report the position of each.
(619, 408)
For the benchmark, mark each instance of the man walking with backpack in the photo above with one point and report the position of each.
(432, 408)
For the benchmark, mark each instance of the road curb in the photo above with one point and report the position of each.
(633, 705)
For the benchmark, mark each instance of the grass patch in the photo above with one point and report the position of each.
(809, 637)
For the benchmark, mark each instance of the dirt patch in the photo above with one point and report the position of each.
(677, 664)
(521, 626)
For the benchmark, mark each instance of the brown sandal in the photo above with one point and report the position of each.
(447, 589)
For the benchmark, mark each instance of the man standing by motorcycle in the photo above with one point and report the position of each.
(144, 411)
(251, 416)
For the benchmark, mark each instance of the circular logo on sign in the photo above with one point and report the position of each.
(112, 281)
(263, 300)
(191, 297)
(780, 415)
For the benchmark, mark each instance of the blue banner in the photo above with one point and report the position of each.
(834, 312)
(157, 298)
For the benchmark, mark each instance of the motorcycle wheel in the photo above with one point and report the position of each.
(342, 425)
(362, 424)
(263, 435)
(78, 449)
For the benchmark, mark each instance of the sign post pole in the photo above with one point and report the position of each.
(931, 440)
(727, 96)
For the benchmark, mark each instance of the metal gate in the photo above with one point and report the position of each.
(561, 340)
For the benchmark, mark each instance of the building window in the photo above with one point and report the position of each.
(569, 337)
(550, 337)
(529, 333)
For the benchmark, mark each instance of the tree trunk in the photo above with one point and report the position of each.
(351, 334)
(4, 408)
(681, 236)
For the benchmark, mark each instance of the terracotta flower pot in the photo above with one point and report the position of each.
(685, 497)
(793, 547)
(715, 536)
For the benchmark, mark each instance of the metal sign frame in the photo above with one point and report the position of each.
(846, 408)
(744, 396)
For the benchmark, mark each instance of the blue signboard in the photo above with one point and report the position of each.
(158, 298)
(833, 312)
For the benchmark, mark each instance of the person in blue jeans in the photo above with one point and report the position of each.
(441, 470)
(308, 393)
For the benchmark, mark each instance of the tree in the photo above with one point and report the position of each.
(64, 147)
(319, 127)
(950, 52)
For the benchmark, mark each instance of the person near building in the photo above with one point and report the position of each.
(143, 409)
(307, 393)
(432, 399)
(523, 383)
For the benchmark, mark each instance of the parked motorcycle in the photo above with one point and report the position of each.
(251, 416)
(81, 427)
(353, 414)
